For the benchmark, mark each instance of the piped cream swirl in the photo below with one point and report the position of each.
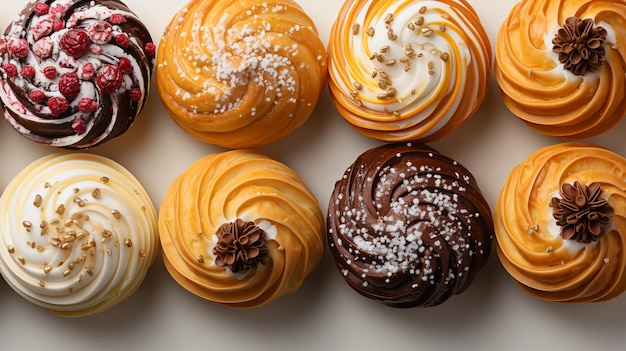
(536, 87)
(78, 233)
(410, 69)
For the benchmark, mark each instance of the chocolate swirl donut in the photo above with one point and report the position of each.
(78, 233)
(409, 69)
(240, 74)
(75, 73)
(408, 226)
(240, 229)
(560, 223)
(561, 65)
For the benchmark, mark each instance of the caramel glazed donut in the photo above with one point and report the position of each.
(240, 229)
(75, 73)
(409, 69)
(561, 65)
(560, 223)
(240, 73)
(408, 226)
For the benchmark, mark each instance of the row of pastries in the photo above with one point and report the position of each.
(406, 225)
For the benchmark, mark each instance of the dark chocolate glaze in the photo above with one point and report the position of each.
(408, 226)
(115, 112)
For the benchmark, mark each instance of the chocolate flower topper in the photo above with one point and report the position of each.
(241, 246)
(580, 212)
(579, 44)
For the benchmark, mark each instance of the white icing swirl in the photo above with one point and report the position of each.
(411, 69)
(42, 33)
(77, 233)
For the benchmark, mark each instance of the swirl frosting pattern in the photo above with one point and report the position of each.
(240, 186)
(78, 233)
(410, 69)
(76, 72)
(408, 226)
(240, 74)
(530, 244)
(537, 87)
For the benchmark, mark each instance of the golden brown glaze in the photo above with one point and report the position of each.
(410, 69)
(240, 74)
(536, 87)
(530, 246)
(253, 187)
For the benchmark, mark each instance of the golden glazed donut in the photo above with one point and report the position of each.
(240, 73)
(560, 223)
(240, 229)
(409, 69)
(543, 74)
(78, 233)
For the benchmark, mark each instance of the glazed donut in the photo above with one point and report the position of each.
(75, 73)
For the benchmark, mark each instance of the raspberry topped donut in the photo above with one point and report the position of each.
(75, 73)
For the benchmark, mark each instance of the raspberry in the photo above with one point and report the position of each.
(117, 18)
(135, 94)
(75, 42)
(36, 96)
(41, 8)
(50, 72)
(101, 32)
(42, 28)
(58, 25)
(96, 49)
(69, 85)
(122, 40)
(58, 9)
(43, 47)
(58, 105)
(3, 46)
(88, 71)
(150, 49)
(10, 69)
(27, 72)
(125, 65)
(79, 126)
(18, 48)
(109, 79)
(86, 105)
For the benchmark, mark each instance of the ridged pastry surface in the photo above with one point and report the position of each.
(408, 226)
(530, 245)
(76, 73)
(247, 186)
(535, 84)
(240, 73)
(78, 233)
(409, 69)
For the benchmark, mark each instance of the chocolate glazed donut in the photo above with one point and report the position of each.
(75, 73)
(408, 226)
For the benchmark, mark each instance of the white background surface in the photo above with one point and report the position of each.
(325, 314)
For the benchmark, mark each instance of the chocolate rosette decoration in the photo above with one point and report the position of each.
(561, 226)
(409, 69)
(75, 73)
(240, 229)
(78, 234)
(408, 226)
(560, 65)
(240, 74)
